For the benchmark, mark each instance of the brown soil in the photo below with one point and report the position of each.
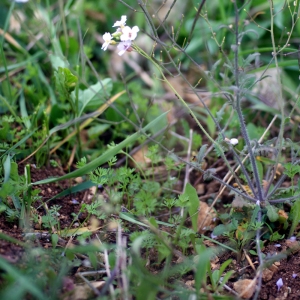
(69, 204)
(288, 271)
(288, 268)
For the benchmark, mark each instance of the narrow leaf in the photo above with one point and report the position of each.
(104, 157)
(21, 279)
(7, 168)
(294, 216)
(272, 213)
(201, 153)
(202, 266)
(191, 192)
(54, 240)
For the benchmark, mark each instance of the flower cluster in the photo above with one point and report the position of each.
(124, 35)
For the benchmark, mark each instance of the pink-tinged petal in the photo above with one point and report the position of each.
(213, 236)
(279, 284)
(129, 33)
(123, 46)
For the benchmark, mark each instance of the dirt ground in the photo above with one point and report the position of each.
(288, 268)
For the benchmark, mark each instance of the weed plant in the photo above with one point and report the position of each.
(64, 101)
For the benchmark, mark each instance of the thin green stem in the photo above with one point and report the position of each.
(245, 172)
(2, 37)
(239, 110)
(280, 101)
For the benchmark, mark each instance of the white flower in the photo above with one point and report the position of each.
(234, 142)
(129, 33)
(121, 23)
(21, 1)
(107, 40)
(123, 46)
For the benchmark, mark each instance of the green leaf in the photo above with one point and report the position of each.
(23, 140)
(4, 131)
(106, 156)
(6, 189)
(93, 95)
(260, 170)
(23, 111)
(54, 240)
(14, 173)
(74, 189)
(7, 168)
(276, 236)
(56, 114)
(194, 202)
(220, 113)
(10, 239)
(201, 154)
(210, 123)
(130, 218)
(255, 132)
(254, 214)
(65, 82)
(220, 229)
(224, 265)
(225, 279)
(97, 130)
(291, 170)
(272, 213)
(93, 259)
(215, 276)
(153, 222)
(21, 280)
(294, 216)
(250, 58)
(202, 265)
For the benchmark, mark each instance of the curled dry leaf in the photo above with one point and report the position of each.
(187, 93)
(200, 188)
(83, 291)
(267, 275)
(293, 245)
(273, 268)
(140, 158)
(267, 90)
(205, 217)
(245, 288)
(190, 284)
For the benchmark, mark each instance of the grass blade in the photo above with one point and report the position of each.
(105, 156)
(21, 279)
